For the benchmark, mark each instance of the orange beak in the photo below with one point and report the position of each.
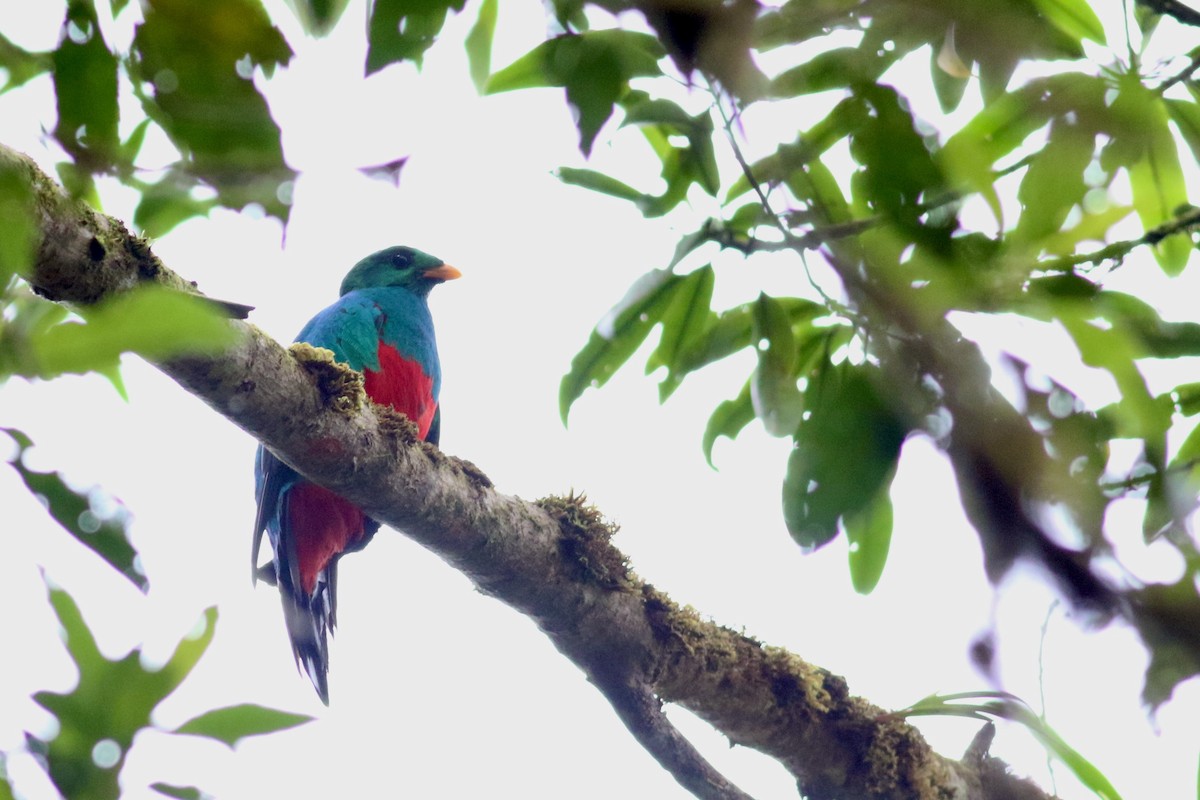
(443, 273)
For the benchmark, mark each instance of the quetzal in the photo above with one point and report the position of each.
(380, 326)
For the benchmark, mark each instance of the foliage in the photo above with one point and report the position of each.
(113, 701)
(916, 217)
(1004, 705)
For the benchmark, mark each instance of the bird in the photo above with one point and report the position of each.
(382, 327)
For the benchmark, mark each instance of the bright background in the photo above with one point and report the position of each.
(436, 690)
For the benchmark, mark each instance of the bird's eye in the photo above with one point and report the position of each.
(401, 260)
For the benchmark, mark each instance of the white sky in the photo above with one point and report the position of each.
(437, 691)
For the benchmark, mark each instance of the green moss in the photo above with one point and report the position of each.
(341, 387)
(586, 542)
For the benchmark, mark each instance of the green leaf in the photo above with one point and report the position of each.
(151, 321)
(318, 17)
(1054, 183)
(728, 420)
(773, 388)
(618, 336)
(1143, 143)
(733, 330)
(869, 531)
(168, 203)
(21, 65)
(833, 69)
(594, 68)
(479, 43)
(1006, 705)
(969, 157)
(949, 88)
(1075, 18)
(605, 184)
(844, 451)
(98, 522)
(178, 792)
(660, 120)
(1164, 611)
(85, 86)
(201, 70)
(1186, 397)
(687, 318)
(899, 168)
(1186, 116)
(402, 30)
(112, 702)
(232, 724)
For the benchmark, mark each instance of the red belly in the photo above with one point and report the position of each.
(403, 385)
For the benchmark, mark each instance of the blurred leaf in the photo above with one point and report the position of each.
(948, 86)
(1186, 116)
(1006, 705)
(899, 169)
(388, 172)
(152, 321)
(1092, 227)
(85, 86)
(18, 226)
(1075, 18)
(682, 166)
(200, 59)
(101, 526)
(232, 724)
(168, 203)
(869, 531)
(479, 43)
(728, 420)
(688, 316)
(178, 792)
(1054, 184)
(605, 184)
(833, 69)
(1143, 143)
(1186, 397)
(318, 17)
(1148, 335)
(798, 22)
(112, 702)
(845, 450)
(21, 65)
(618, 335)
(593, 67)
(773, 387)
(969, 156)
(402, 30)
(733, 330)
(1166, 617)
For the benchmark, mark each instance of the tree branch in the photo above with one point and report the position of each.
(551, 560)
(1173, 8)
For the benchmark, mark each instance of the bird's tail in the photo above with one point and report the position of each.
(309, 621)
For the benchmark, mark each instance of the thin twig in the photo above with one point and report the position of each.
(1186, 222)
(1174, 9)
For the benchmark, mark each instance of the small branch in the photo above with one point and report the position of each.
(645, 719)
(1173, 8)
(1185, 74)
(1187, 222)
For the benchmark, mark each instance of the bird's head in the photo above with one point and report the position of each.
(402, 267)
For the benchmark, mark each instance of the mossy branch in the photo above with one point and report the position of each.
(551, 560)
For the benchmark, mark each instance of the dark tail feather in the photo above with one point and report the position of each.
(308, 624)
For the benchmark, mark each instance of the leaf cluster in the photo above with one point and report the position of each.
(1018, 196)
